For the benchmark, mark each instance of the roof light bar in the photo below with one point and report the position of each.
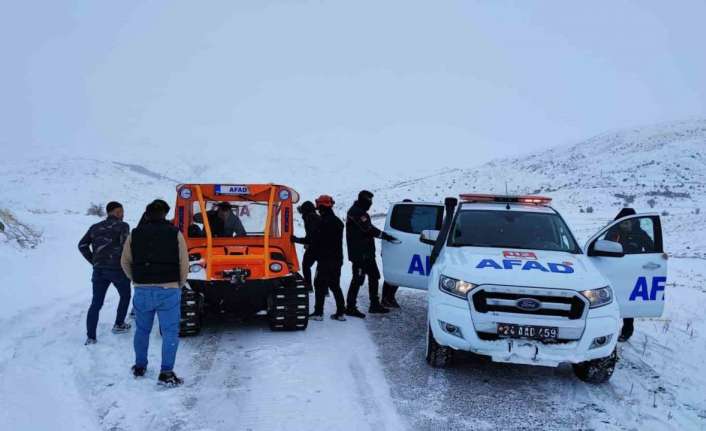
(522, 199)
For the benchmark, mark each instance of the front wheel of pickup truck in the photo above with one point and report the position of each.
(438, 356)
(597, 371)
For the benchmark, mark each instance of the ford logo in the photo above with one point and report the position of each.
(528, 304)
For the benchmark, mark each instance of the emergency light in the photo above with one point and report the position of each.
(522, 199)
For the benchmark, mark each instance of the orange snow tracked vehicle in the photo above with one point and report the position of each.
(241, 257)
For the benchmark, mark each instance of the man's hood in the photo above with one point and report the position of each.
(512, 267)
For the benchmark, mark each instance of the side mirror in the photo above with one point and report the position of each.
(607, 248)
(429, 236)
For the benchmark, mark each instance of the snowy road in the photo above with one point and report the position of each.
(238, 377)
(354, 375)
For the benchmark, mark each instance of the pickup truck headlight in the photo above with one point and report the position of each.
(599, 297)
(455, 287)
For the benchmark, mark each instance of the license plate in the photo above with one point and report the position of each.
(509, 330)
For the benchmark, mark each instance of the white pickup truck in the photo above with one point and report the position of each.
(506, 279)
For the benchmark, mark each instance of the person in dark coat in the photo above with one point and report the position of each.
(224, 223)
(327, 242)
(312, 222)
(102, 246)
(360, 236)
(622, 234)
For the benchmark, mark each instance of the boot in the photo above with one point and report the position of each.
(121, 328)
(316, 316)
(90, 341)
(168, 378)
(390, 303)
(339, 316)
(376, 308)
(354, 312)
(138, 371)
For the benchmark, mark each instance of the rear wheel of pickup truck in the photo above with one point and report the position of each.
(597, 371)
(437, 356)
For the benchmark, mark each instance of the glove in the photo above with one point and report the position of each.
(387, 237)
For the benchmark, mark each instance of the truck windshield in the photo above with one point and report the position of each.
(232, 219)
(512, 229)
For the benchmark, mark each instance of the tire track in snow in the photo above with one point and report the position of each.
(363, 390)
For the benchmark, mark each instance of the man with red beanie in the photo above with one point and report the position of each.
(328, 243)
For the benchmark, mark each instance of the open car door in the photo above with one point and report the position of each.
(638, 275)
(407, 263)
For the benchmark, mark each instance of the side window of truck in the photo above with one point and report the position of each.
(636, 235)
(416, 218)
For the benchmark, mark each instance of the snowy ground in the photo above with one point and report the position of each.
(238, 376)
(355, 375)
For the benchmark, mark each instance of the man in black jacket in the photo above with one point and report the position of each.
(312, 223)
(156, 259)
(327, 241)
(102, 246)
(360, 236)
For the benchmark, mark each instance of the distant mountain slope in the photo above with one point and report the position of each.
(659, 168)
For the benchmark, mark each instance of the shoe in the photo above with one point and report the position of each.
(317, 317)
(122, 328)
(339, 316)
(390, 303)
(354, 312)
(90, 341)
(168, 378)
(378, 309)
(138, 371)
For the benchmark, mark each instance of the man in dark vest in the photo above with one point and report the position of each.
(156, 259)
(101, 246)
(360, 236)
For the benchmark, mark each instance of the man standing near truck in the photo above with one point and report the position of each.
(102, 246)
(312, 223)
(360, 236)
(328, 243)
(156, 259)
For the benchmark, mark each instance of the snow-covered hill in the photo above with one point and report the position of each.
(660, 169)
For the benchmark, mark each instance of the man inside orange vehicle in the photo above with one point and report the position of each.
(223, 221)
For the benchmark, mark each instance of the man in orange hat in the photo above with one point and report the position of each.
(328, 243)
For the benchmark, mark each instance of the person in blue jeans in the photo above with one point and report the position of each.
(102, 246)
(156, 259)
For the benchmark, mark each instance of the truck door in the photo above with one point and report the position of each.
(407, 263)
(639, 277)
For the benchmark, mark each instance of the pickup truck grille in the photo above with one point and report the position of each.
(568, 306)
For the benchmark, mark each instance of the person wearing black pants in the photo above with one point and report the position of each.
(628, 323)
(388, 295)
(312, 222)
(328, 242)
(360, 235)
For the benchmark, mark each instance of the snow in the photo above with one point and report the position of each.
(356, 374)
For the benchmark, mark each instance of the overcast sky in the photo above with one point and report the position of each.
(432, 83)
